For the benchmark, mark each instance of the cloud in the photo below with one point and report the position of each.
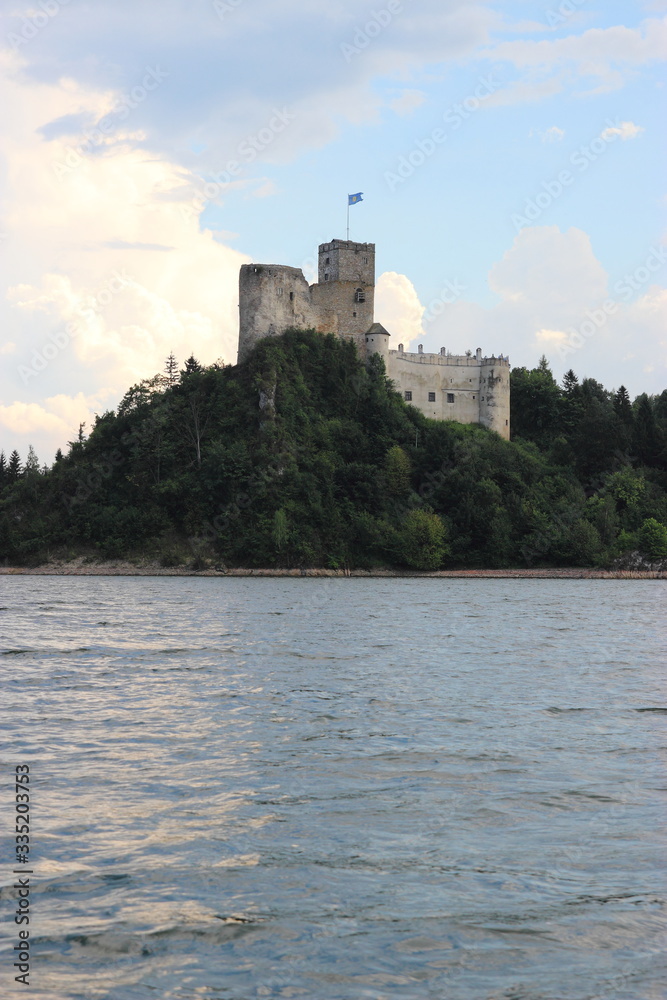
(553, 134)
(57, 417)
(107, 270)
(226, 75)
(605, 57)
(626, 130)
(398, 308)
(550, 287)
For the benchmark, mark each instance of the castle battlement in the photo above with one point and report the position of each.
(274, 298)
(456, 360)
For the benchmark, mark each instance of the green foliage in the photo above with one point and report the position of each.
(653, 539)
(397, 470)
(422, 540)
(304, 456)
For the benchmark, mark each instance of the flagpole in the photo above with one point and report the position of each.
(348, 218)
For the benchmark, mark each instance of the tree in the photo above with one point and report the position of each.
(653, 539)
(192, 367)
(32, 463)
(646, 437)
(623, 406)
(171, 370)
(195, 416)
(422, 542)
(3, 469)
(570, 382)
(142, 393)
(280, 532)
(397, 470)
(14, 468)
(536, 404)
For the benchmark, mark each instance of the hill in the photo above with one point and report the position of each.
(304, 457)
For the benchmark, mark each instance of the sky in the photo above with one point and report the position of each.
(511, 158)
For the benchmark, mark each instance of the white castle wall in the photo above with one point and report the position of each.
(470, 390)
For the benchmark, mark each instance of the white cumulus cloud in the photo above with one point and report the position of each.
(624, 131)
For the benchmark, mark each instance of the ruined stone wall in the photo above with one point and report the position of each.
(273, 298)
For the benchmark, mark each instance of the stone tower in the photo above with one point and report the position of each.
(494, 404)
(346, 287)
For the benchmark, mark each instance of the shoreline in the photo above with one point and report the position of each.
(79, 567)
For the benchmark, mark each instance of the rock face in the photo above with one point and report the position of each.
(274, 298)
(635, 562)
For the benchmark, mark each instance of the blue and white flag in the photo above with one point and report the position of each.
(352, 199)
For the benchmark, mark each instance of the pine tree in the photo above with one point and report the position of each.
(3, 470)
(570, 382)
(647, 439)
(192, 366)
(32, 463)
(623, 406)
(171, 370)
(14, 469)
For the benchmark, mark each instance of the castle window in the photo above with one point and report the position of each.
(450, 397)
(280, 291)
(360, 295)
(365, 260)
(291, 296)
(408, 396)
(431, 397)
(328, 260)
(474, 397)
(354, 314)
(326, 275)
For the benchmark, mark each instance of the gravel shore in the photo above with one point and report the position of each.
(81, 567)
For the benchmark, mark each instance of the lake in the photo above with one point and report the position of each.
(337, 789)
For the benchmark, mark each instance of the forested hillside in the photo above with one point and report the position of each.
(303, 456)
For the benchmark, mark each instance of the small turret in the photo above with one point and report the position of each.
(377, 342)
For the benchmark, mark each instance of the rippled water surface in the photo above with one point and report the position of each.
(339, 789)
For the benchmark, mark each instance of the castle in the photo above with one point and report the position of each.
(273, 298)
